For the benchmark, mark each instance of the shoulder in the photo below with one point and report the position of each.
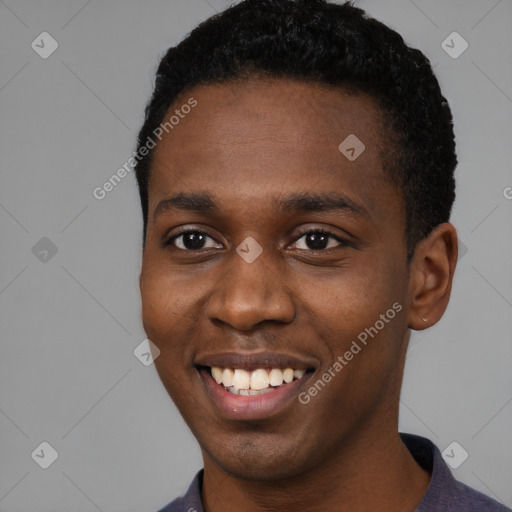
(445, 493)
(471, 500)
(176, 505)
(191, 501)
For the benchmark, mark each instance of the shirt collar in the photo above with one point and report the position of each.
(442, 485)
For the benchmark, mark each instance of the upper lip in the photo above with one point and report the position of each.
(253, 360)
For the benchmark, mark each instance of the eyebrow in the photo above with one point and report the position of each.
(298, 203)
(295, 203)
(199, 202)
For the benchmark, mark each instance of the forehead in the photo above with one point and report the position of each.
(263, 137)
(259, 108)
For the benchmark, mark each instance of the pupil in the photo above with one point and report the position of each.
(193, 241)
(316, 241)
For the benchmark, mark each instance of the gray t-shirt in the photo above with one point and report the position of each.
(444, 493)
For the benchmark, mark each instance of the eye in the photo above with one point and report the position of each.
(319, 240)
(192, 240)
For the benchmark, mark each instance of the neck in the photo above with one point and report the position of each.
(369, 473)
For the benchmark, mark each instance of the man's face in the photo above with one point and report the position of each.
(266, 154)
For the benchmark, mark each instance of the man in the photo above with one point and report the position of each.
(296, 177)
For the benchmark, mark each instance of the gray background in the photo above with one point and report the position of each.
(69, 324)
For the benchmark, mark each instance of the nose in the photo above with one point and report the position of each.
(250, 294)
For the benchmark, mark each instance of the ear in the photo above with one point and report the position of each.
(431, 274)
(140, 281)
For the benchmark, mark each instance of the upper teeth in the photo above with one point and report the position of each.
(257, 380)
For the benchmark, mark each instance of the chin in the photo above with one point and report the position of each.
(258, 460)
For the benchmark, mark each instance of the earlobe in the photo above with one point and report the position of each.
(432, 269)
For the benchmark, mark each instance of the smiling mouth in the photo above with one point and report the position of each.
(257, 382)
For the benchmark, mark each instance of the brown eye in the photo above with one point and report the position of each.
(192, 241)
(318, 240)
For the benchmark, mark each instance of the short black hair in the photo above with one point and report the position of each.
(318, 42)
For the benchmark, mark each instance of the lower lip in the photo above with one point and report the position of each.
(255, 407)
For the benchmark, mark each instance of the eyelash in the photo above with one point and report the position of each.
(342, 242)
(321, 231)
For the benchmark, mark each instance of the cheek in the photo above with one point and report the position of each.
(356, 298)
(167, 314)
(167, 323)
(360, 317)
